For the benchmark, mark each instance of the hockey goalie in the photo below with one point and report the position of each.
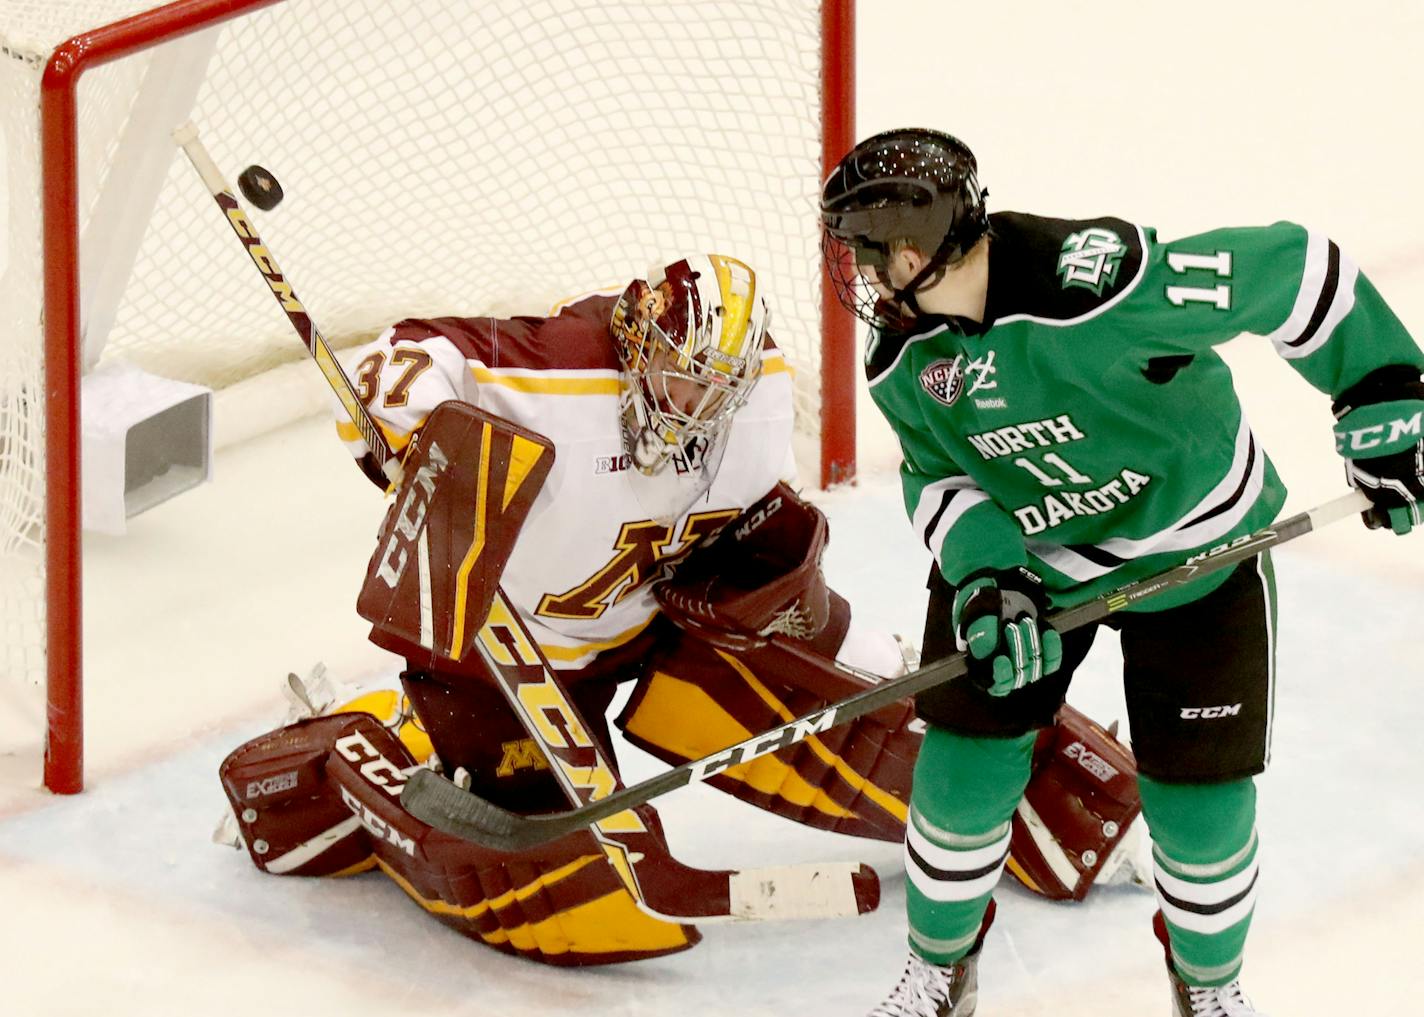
(601, 496)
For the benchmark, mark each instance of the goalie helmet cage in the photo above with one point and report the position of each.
(438, 158)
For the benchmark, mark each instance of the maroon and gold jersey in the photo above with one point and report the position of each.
(580, 572)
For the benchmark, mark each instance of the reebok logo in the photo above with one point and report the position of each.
(1210, 712)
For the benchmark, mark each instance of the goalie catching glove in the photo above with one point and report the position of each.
(760, 576)
(1379, 429)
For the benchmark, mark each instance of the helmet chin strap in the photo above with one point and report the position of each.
(929, 276)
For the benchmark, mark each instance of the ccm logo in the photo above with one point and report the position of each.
(376, 768)
(410, 518)
(764, 744)
(377, 825)
(755, 522)
(1367, 438)
(1210, 712)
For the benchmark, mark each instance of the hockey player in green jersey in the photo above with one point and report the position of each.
(1067, 428)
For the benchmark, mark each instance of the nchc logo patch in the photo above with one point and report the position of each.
(1090, 259)
(944, 380)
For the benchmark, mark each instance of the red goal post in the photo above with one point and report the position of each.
(524, 148)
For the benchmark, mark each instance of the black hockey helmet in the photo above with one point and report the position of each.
(910, 184)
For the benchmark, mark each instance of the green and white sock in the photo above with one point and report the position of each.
(1206, 868)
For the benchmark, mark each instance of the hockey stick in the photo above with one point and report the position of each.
(447, 807)
(666, 889)
(186, 137)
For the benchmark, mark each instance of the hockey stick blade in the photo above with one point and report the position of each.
(807, 891)
(446, 807)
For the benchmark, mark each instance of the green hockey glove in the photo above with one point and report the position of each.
(1379, 429)
(996, 621)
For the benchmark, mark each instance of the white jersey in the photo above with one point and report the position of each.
(599, 531)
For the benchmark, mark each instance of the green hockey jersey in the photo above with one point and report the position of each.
(1088, 430)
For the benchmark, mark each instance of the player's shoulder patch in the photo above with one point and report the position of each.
(1060, 270)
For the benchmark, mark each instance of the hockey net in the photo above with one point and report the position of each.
(438, 158)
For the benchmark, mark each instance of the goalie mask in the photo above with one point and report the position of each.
(690, 341)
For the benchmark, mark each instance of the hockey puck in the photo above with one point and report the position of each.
(260, 187)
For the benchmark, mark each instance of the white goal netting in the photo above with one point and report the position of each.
(437, 157)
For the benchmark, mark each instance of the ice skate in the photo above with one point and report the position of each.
(1197, 1001)
(933, 990)
(938, 990)
(1223, 1001)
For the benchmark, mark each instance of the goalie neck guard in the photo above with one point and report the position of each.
(689, 338)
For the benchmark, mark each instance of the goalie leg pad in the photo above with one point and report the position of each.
(291, 817)
(1079, 804)
(560, 904)
(396, 713)
(694, 700)
(322, 798)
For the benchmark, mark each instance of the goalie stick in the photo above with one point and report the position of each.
(666, 889)
(446, 807)
(186, 137)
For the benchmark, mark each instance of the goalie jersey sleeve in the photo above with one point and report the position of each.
(419, 363)
(1089, 429)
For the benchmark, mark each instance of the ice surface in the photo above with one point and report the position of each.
(115, 902)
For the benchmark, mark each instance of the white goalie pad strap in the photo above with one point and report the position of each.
(1048, 847)
(1130, 862)
(795, 891)
(306, 851)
